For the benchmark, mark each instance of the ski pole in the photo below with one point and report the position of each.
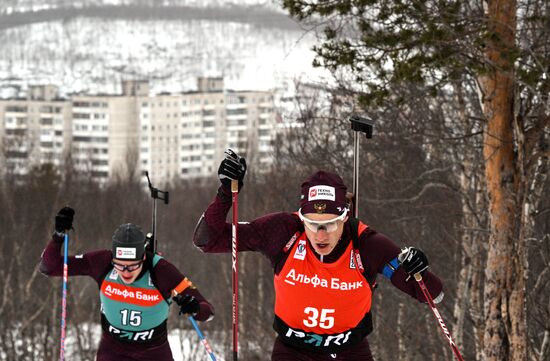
(203, 339)
(64, 297)
(235, 268)
(418, 278)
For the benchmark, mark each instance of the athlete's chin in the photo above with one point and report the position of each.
(323, 250)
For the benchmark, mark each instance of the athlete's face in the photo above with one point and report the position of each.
(128, 271)
(323, 231)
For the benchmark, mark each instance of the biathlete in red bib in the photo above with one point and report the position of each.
(325, 266)
(136, 289)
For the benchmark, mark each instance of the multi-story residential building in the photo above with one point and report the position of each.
(105, 132)
(169, 135)
(35, 130)
(184, 135)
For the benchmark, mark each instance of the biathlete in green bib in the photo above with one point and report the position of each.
(136, 289)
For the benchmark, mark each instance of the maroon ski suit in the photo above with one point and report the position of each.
(270, 234)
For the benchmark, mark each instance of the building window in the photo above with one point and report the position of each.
(16, 109)
(81, 115)
(240, 111)
(81, 104)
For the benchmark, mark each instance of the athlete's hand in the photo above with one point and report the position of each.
(64, 220)
(413, 261)
(232, 167)
(188, 304)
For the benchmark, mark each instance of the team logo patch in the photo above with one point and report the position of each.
(358, 260)
(352, 260)
(126, 253)
(355, 261)
(300, 252)
(320, 207)
(321, 193)
(290, 243)
(113, 275)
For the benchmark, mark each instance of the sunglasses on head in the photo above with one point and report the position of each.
(128, 267)
(329, 225)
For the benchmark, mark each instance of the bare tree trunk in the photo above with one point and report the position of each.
(465, 274)
(401, 342)
(476, 296)
(544, 353)
(470, 278)
(436, 347)
(460, 306)
(505, 334)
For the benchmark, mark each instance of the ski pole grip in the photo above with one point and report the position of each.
(234, 186)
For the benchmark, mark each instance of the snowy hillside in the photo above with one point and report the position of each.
(86, 52)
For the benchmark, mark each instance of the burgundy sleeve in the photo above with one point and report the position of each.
(378, 250)
(91, 264)
(167, 277)
(267, 234)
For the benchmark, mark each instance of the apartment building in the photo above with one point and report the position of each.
(175, 137)
(105, 133)
(35, 130)
(169, 135)
(185, 135)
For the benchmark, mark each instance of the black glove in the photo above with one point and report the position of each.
(231, 168)
(188, 304)
(64, 220)
(413, 261)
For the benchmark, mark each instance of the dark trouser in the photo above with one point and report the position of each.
(113, 350)
(284, 352)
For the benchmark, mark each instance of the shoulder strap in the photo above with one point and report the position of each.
(155, 258)
(151, 261)
(357, 228)
(354, 226)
